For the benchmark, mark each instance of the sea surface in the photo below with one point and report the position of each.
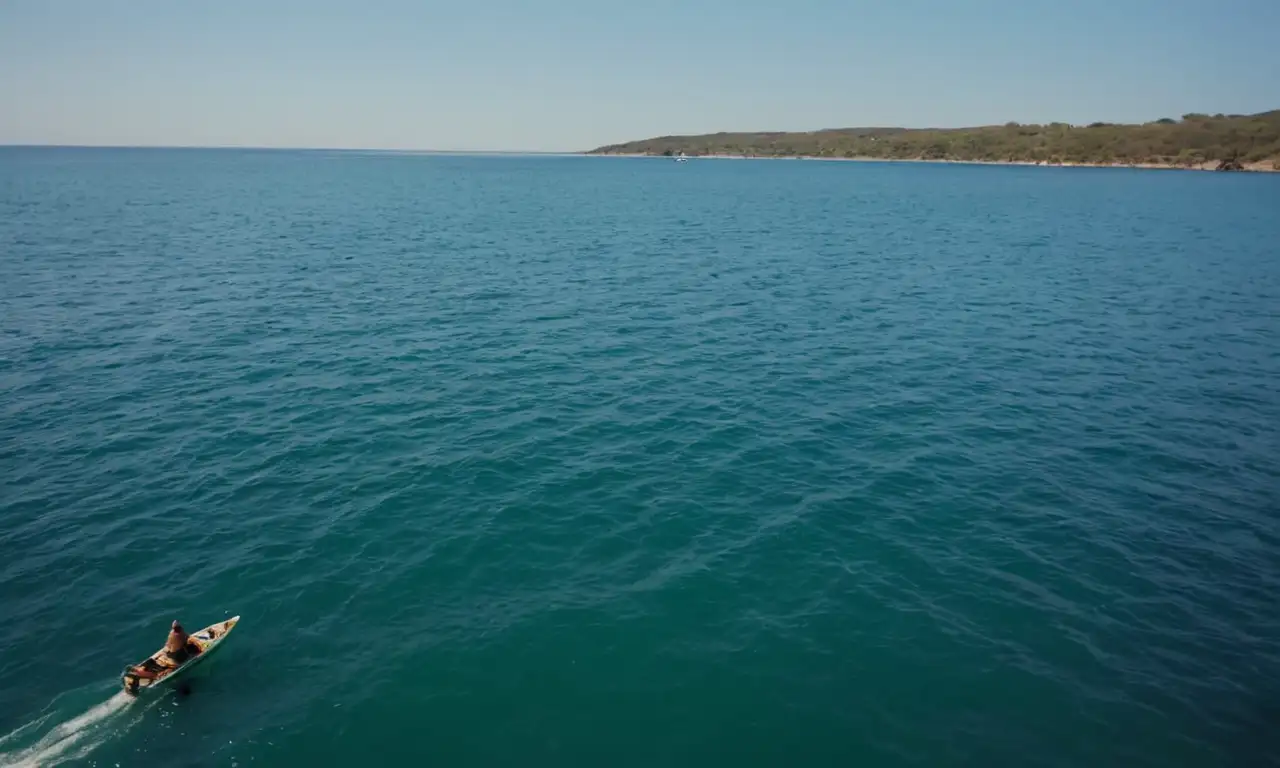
(570, 461)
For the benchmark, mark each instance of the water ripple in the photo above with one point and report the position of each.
(583, 461)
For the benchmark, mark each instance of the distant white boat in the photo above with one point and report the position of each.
(680, 158)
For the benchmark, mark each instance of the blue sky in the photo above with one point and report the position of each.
(569, 75)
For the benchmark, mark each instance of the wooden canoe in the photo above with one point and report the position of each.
(158, 667)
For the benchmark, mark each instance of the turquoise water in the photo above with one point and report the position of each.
(589, 461)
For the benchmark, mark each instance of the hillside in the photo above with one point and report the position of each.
(1196, 140)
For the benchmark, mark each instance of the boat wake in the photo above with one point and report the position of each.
(69, 739)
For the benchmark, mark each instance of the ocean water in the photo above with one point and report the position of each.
(564, 461)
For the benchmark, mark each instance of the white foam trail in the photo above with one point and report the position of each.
(57, 745)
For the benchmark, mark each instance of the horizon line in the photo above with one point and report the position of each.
(262, 148)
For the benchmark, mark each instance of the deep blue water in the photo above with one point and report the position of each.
(595, 461)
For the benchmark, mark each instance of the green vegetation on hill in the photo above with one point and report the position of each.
(1251, 141)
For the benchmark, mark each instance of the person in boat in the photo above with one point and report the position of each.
(178, 646)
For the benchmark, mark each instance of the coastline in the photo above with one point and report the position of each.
(1258, 167)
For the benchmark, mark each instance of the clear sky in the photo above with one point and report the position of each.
(570, 74)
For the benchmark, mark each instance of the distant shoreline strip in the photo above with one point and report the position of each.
(1206, 166)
